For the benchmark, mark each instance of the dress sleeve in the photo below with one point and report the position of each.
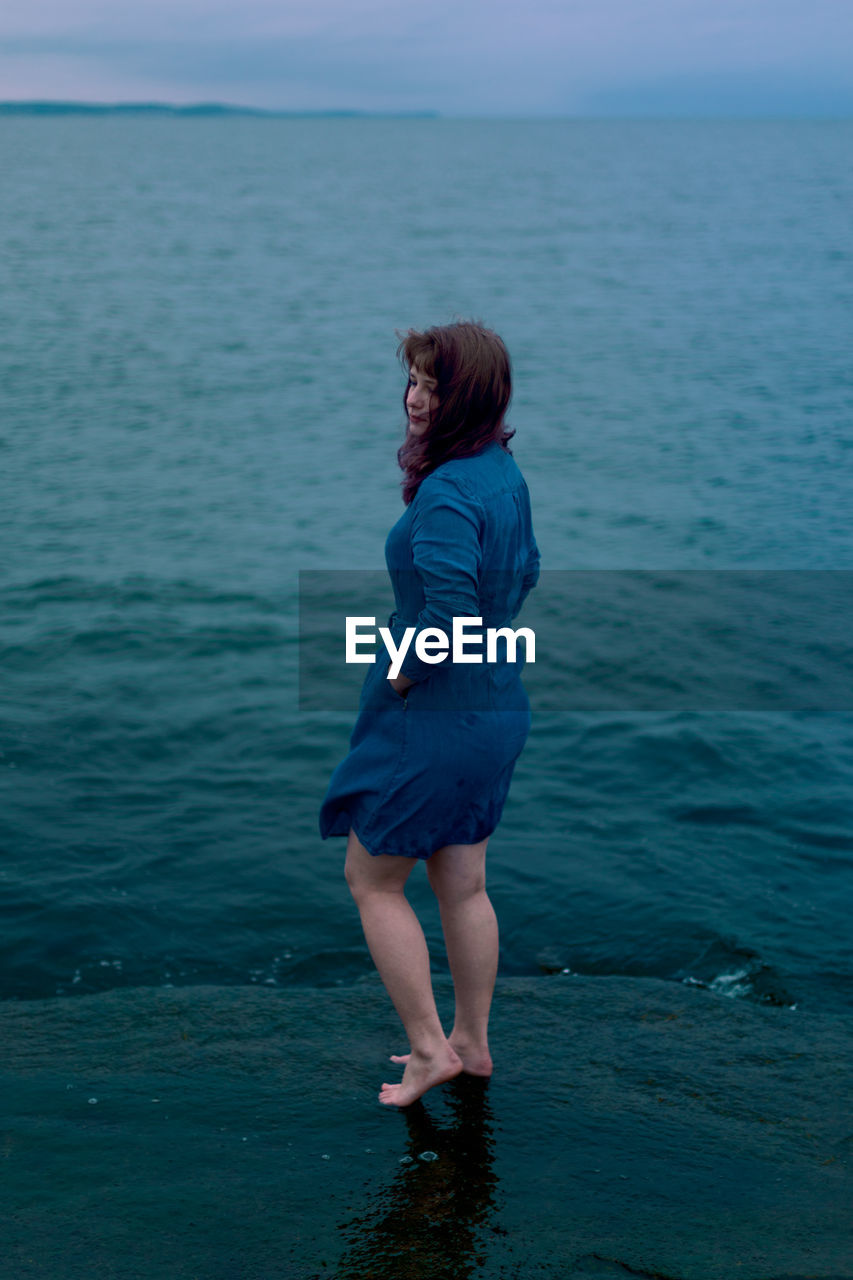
(531, 575)
(447, 554)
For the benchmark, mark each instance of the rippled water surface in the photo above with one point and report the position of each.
(200, 399)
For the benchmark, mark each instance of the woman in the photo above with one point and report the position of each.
(433, 749)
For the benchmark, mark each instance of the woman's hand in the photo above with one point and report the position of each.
(401, 684)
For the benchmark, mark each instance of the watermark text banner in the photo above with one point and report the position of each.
(627, 640)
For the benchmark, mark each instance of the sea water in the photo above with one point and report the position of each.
(199, 400)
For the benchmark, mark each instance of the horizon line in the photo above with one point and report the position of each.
(60, 106)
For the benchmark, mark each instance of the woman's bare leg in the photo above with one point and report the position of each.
(398, 947)
(457, 874)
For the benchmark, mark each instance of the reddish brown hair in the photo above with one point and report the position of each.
(471, 367)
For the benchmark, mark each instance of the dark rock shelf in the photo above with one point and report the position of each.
(633, 1128)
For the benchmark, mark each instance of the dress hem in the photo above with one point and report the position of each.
(395, 853)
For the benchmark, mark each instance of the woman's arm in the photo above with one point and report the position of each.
(447, 554)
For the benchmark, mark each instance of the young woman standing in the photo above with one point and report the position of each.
(433, 750)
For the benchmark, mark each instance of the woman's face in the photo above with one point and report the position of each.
(421, 400)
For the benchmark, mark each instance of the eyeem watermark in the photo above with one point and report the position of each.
(606, 640)
(432, 645)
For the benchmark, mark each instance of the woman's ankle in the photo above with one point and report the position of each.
(473, 1049)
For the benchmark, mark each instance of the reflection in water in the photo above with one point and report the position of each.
(432, 1220)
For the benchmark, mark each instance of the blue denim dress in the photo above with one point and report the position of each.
(434, 767)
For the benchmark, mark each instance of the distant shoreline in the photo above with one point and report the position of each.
(219, 110)
(195, 109)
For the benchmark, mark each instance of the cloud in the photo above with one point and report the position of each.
(457, 56)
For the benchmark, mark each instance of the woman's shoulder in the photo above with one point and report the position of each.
(491, 470)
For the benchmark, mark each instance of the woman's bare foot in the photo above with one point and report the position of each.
(421, 1073)
(476, 1059)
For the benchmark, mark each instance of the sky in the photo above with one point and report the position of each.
(456, 57)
